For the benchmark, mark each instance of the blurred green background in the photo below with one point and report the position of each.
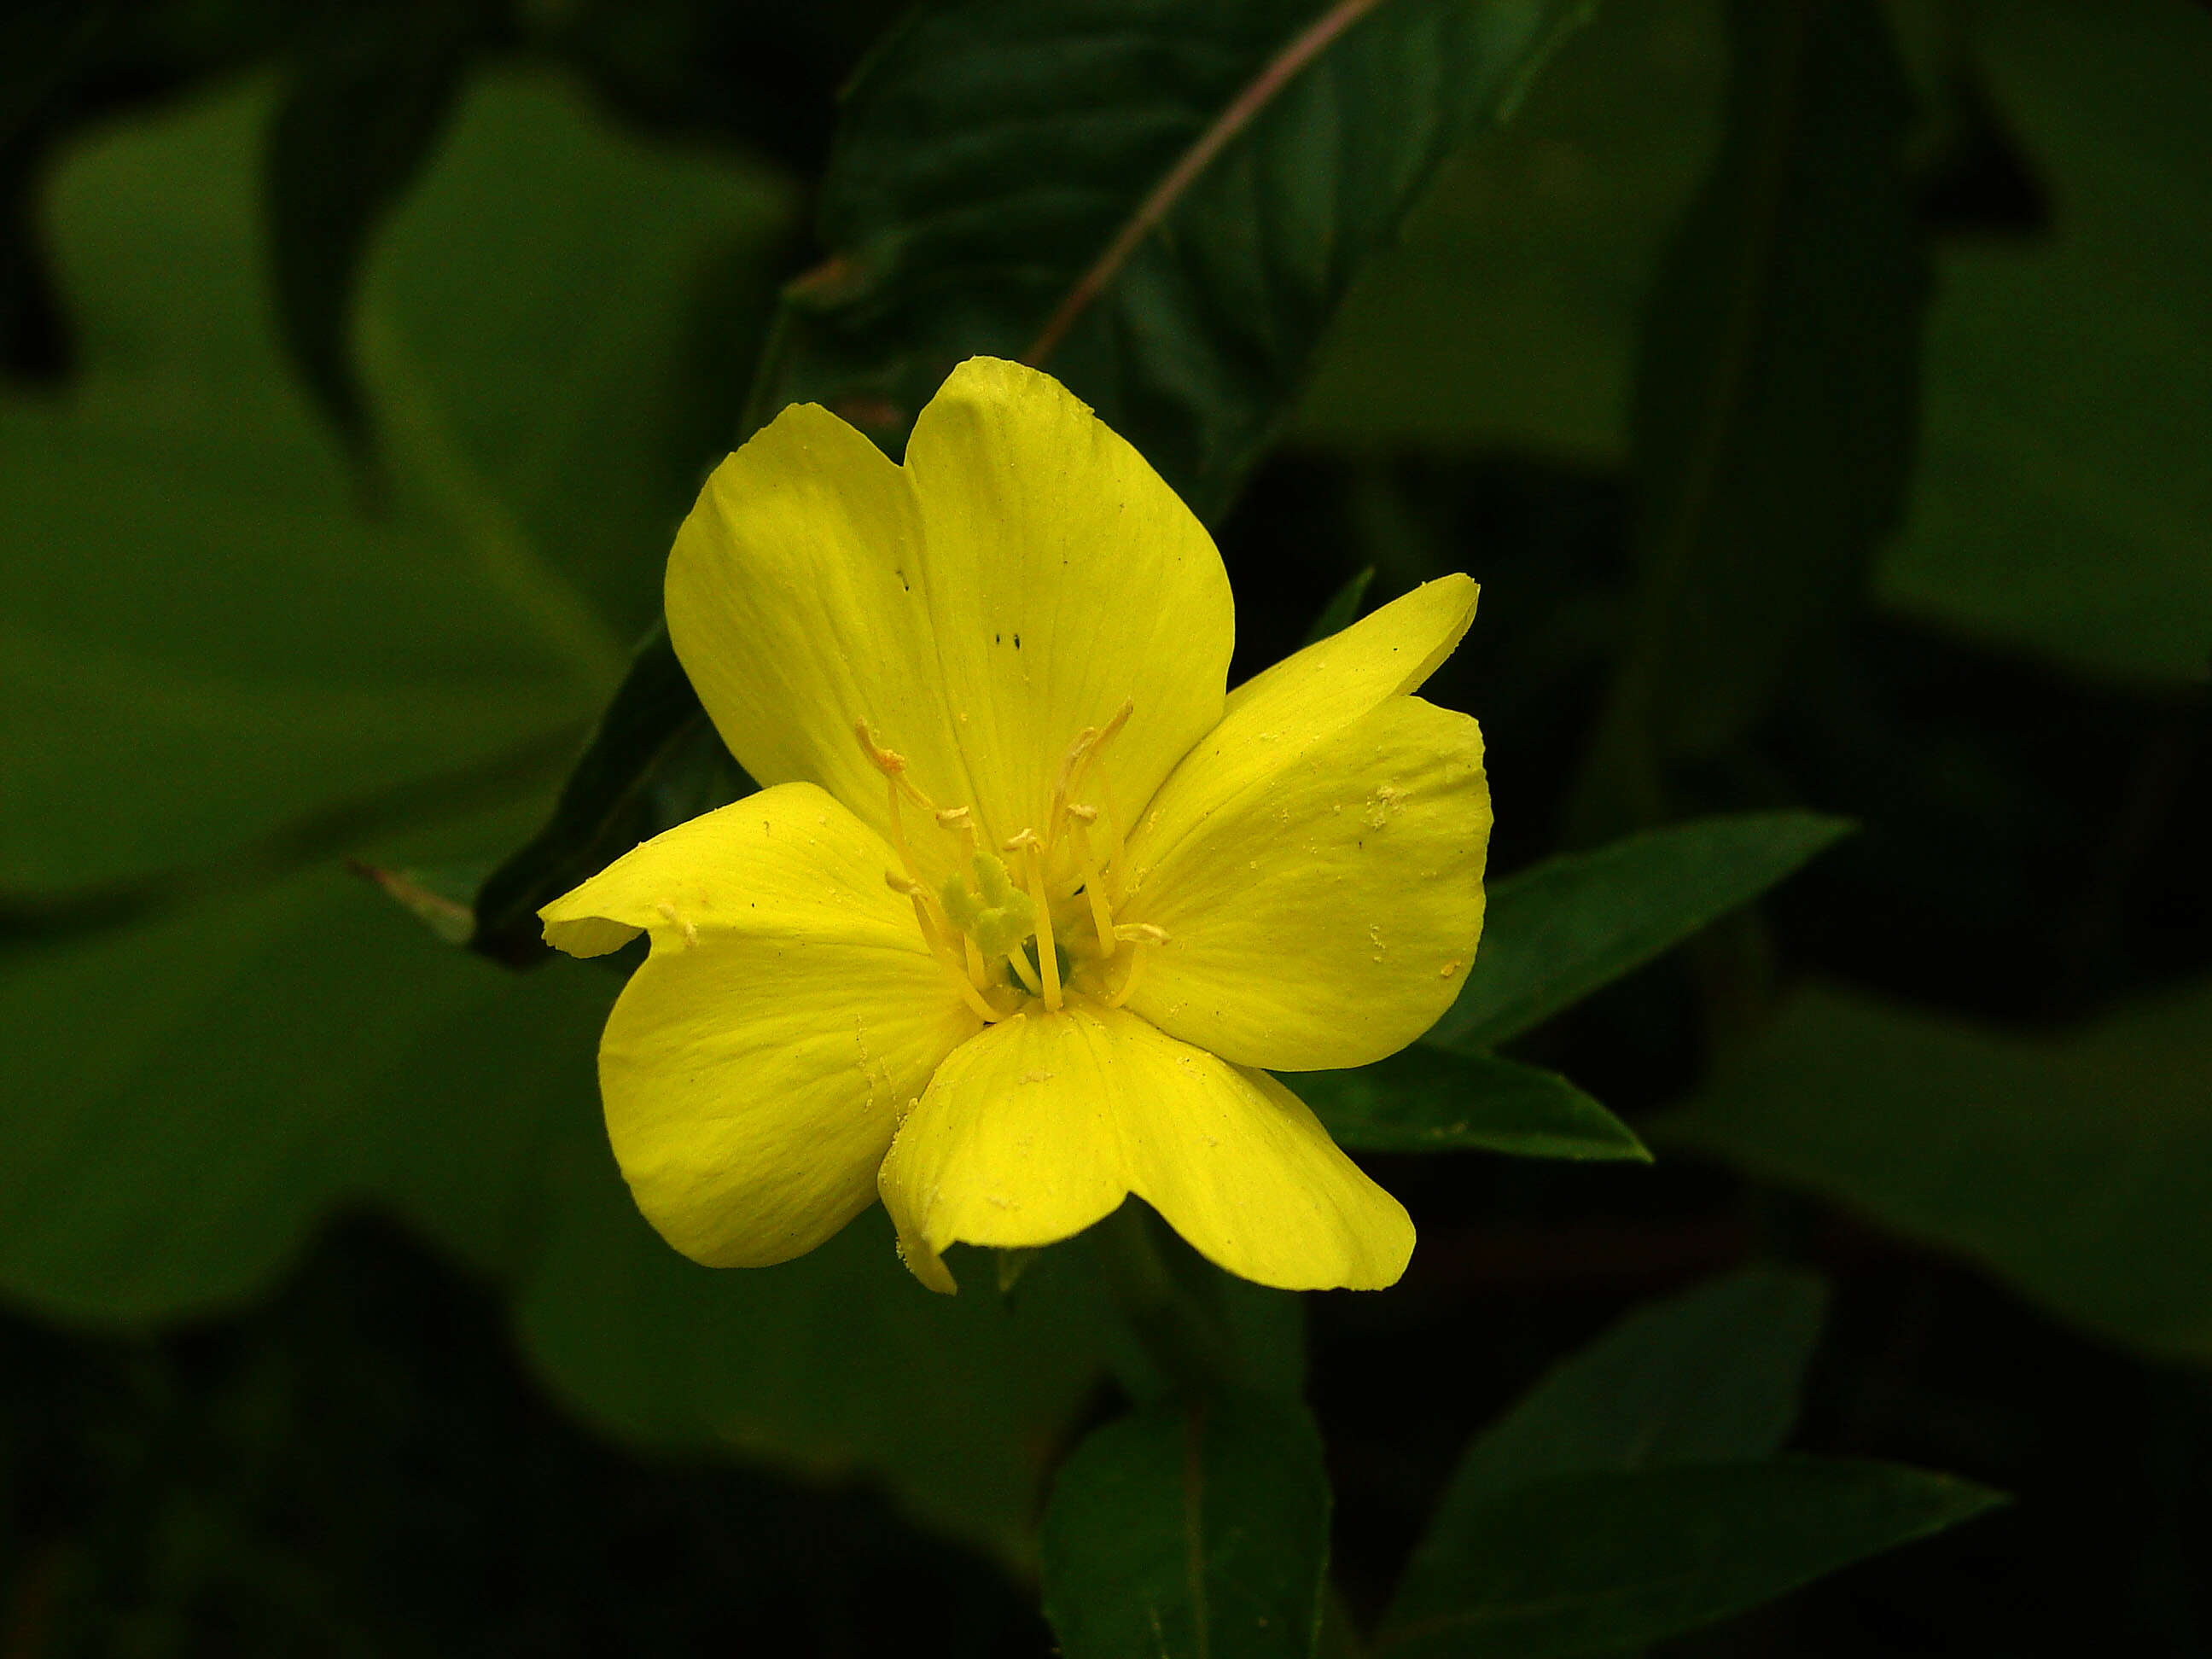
(1827, 417)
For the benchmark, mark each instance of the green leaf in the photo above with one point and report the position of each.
(1174, 1533)
(836, 1365)
(1777, 392)
(237, 673)
(194, 599)
(1590, 1562)
(1709, 1376)
(2075, 1167)
(653, 761)
(2054, 504)
(361, 110)
(1424, 1100)
(1162, 202)
(1506, 317)
(213, 1085)
(1216, 175)
(1556, 932)
(2065, 483)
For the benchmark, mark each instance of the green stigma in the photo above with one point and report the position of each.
(998, 915)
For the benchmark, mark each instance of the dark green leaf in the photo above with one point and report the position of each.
(1178, 1534)
(1505, 318)
(1342, 609)
(835, 1364)
(1590, 1562)
(2075, 1167)
(1556, 932)
(219, 647)
(1711, 1376)
(1163, 201)
(654, 761)
(1777, 392)
(1424, 1100)
(2065, 483)
(366, 99)
(1018, 179)
(1508, 317)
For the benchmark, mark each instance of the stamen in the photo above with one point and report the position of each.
(1138, 934)
(972, 994)
(1019, 960)
(1129, 978)
(892, 765)
(1048, 958)
(1112, 816)
(1070, 763)
(1101, 919)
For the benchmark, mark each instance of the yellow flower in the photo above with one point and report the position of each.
(1026, 909)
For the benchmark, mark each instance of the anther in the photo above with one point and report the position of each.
(885, 759)
(1138, 934)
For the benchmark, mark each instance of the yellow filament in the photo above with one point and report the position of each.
(1129, 978)
(1102, 918)
(1020, 963)
(972, 994)
(1071, 768)
(1139, 935)
(977, 973)
(1112, 815)
(1048, 958)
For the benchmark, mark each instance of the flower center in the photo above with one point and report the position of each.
(1033, 918)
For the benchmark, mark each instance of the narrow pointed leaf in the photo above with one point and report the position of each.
(1424, 1100)
(1592, 1563)
(1558, 931)
(1710, 1376)
(653, 761)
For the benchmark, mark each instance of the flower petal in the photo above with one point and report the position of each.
(1065, 577)
(1322, 916)
(754, 1067)
(1021, 576)
(797, 602)
(1278, 714)
(1042, 1124)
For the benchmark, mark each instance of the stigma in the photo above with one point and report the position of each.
(1030, 920)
